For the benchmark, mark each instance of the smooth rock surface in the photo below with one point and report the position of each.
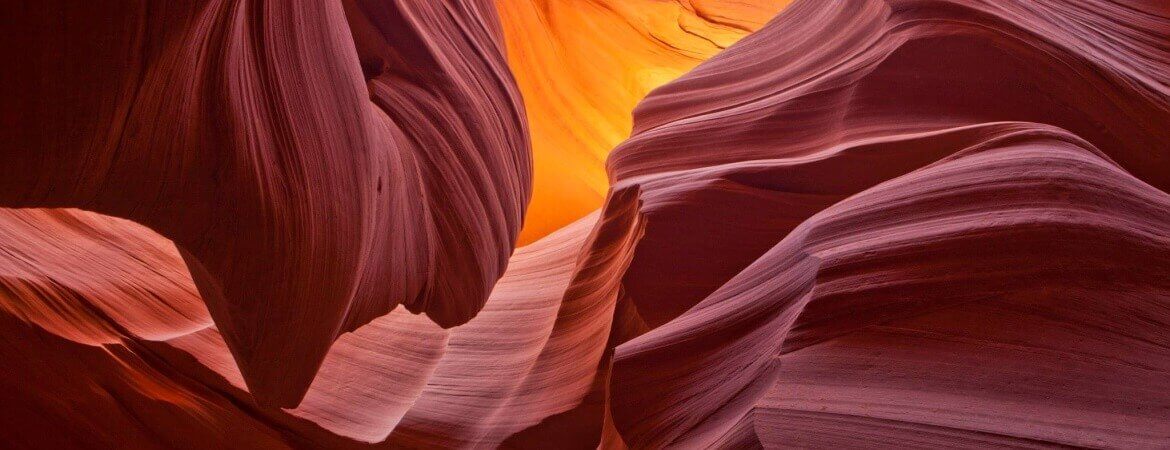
(875, 223)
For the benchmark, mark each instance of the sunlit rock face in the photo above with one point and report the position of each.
(582, 65)
(876, 223)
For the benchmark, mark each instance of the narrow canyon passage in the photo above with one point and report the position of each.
(582, 67)
(585, 224)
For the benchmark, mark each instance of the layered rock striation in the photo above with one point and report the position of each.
(915, 223)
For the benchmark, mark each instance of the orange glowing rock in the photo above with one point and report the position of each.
(582, 66)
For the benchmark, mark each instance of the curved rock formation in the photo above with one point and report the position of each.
(911, 223)
(888, 77)
(400, 380)
(582, 65)
(872, 144)
(315, 165)
(1006, 277)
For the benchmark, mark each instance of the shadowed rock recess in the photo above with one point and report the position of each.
(868, 223)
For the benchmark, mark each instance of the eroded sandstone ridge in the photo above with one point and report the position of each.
(911, 223)
(316, 165)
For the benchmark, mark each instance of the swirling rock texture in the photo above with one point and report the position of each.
(876, 223)
(582, 65)
(316, 165)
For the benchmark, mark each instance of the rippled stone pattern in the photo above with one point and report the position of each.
(316, 164)
(875, 223)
